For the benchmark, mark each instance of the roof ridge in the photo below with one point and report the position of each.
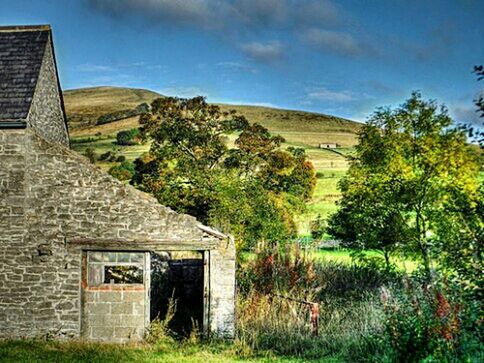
(23, 28)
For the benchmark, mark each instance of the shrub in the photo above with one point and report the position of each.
(278, 270)
(90, 154)
(108, 156)
(429, 323)
(123, 171)
(318, 227)
(128, 137)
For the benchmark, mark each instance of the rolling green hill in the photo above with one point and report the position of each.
(87, 110)
(85, 107)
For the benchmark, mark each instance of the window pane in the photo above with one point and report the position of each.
(95, 275)
(123, 256)
(109, 256)
(95, 256)
(123, 275)
(137, 257)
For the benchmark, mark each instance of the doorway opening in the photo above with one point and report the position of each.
(177, 290)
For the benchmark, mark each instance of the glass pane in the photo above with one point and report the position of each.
(95, 275)
(123, 256)
(109, 256)
(123, 275)
(95, 256)
(137, 257)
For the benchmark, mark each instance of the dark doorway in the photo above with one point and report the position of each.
(177, 277)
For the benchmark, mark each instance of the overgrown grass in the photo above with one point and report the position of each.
(38, 351)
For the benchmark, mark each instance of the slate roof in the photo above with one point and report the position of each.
(21, 53)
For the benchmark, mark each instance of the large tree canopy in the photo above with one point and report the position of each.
(220, 168)
(412, 177)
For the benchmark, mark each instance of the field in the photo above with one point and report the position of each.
(300, 129)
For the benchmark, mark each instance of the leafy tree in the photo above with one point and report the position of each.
(128, 137)
(476, 134)
(251, 189)
(409, 165)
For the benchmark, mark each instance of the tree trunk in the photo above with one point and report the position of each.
(387, 259)
(422, 244)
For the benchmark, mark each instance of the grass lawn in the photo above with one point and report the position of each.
(37, 351)
(330, 167)
(343, 255)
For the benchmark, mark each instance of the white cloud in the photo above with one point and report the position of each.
(89, 67)
(263, 52)
(324, 94)
(237, 67)
(334, 42)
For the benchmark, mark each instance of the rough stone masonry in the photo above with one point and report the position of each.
(56, 208)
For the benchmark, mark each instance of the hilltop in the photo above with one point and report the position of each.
(106, 110)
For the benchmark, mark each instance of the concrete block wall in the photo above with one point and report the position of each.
(117, 315)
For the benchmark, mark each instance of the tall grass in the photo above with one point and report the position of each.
(272, 318)
(366, 314)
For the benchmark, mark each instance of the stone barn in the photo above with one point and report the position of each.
(330, 145)
(83, 255)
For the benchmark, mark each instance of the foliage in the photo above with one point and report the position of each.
(251, 190)
(476, 133)
(122, 171)
(425, 323)
(91, 155)
(128, 137)
(122, 114)
(279, 269)
(159, 327)
(108, 156)
(318, 227)
(409, 165)
(272, 317)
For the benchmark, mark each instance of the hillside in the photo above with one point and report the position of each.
(84, 106)
(88, 106)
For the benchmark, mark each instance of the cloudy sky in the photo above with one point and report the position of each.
(337, 57)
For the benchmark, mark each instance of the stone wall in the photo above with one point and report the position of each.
(222, 289)
(46, 114)
(53, 205)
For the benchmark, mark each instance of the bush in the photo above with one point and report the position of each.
(90, 154)
(430, 323)
(129, 137)
(318, 227)
(108, 156)
(123, 171)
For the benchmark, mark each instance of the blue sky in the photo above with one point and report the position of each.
(337, 57)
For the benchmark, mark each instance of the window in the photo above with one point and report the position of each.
(115, 268)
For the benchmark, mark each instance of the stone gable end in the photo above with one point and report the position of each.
(53, 205)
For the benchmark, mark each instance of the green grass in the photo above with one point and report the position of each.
(344, 256)
(329, 165)
(38, 351)
(300, 129)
